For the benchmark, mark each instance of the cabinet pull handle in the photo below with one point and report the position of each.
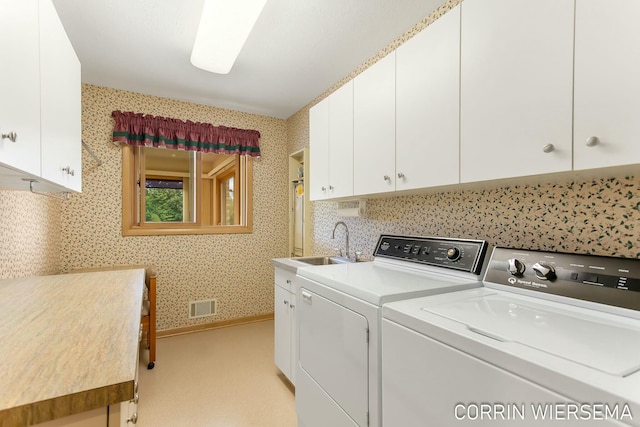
(387, 178)
(324, 188)
(11, 136)
(136, 398)
(133, 419)
(400, 175)
(292, 305)
(306, 297)
(331, 187)
(288, 281)
(68, 170)
(592, 141)
(286, 302)
(548, 148)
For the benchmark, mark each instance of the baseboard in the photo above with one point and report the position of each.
(214, 325)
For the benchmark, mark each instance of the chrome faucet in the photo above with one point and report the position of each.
(333, 236)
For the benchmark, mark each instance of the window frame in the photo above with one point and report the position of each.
(131, 205)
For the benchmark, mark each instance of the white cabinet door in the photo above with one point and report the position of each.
(516, 88)
(428, 105)
(341, 142)
(374, 128)
(61, 113)
(318, 184)
(282, 331)
(607, 90)
(20, 86)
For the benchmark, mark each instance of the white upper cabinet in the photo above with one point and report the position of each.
(61, 112)
(607, 88)
(516, 88)
(427, 106)
(331, 145)
(20, 86)
(341, 142)
(319, 150)
(374, 139)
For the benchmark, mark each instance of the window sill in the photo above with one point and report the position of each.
(164, 231)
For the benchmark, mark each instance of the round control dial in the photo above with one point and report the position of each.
(544, 271)
(453, 254)
(515, 267)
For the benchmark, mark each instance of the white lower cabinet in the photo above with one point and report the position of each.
(285, 331)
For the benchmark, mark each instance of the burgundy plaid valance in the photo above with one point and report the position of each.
(155, 131)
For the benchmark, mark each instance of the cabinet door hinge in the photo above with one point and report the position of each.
(367, 335)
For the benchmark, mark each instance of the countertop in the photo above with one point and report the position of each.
(289, 264)
(68, 343)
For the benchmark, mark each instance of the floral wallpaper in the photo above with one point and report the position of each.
(234, 269)
(30, 234)
(40, 235)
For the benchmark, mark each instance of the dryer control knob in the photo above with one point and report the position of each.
(515, 267)
(453, 254)
(544, 271)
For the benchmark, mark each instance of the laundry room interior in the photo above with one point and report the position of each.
(484, 149)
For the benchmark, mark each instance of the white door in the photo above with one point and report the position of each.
(341, 141)
(374, 128)
(428, 105)
(334, 352)
(607, 90)
(20, 86)
(318, 186)
(516, 88)
(61, 112)
(282, 331)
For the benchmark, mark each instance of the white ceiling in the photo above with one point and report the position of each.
(297, 50)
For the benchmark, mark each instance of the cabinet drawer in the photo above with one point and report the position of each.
(285, 279)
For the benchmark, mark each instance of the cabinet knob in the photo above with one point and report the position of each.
(68, 170)
(133, 419)
(288, 281)
(548, 148)
(387, 178)
(331, 187)
(285, 302)
(292, 305)
(400, 175)
(324, 188)
(592, 141)
(11, 136)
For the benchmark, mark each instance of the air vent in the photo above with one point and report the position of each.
(202, 308)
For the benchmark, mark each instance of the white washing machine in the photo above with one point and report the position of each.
(339, 317)
(552, 339)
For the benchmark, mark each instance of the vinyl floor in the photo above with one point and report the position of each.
(219, 378)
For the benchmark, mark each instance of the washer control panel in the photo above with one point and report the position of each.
(458, 254)
(605, 280)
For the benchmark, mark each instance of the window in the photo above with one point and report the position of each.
(185, 192)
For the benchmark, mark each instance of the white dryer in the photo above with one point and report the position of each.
(339, 315)
(552, 339)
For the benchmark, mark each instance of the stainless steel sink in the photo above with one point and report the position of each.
(323, 260)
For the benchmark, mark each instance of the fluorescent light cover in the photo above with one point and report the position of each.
(224, 28)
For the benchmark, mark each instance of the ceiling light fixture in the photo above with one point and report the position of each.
(224, 28)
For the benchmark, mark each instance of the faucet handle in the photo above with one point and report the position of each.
(338, 250)
(358, 254)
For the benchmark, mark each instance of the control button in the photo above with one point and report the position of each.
(384, 246)
(453, 254)
(544, 271)
(515, 267)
